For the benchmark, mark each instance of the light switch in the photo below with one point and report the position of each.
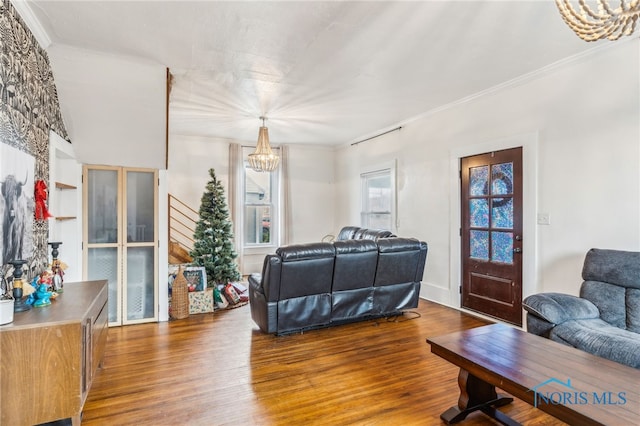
(544, 219)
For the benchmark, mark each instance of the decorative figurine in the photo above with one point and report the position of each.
(40, 195)
(43, 297)
(56, 268)
(44, 291)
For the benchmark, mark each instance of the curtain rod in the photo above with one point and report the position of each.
(373, 137)
(254, 147)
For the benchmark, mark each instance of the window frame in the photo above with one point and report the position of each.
(274, 204)
(366, 213)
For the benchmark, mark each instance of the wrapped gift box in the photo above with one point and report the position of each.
(201, 302)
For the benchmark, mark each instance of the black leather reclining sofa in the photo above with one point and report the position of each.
(364, 274)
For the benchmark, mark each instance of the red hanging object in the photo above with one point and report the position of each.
(40, 194)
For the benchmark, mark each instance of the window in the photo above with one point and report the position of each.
(378, 199)
(260, 205)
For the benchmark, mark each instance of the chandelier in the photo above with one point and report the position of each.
(592, 24)
(263, 159)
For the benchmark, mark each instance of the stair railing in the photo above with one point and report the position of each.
(182, 223)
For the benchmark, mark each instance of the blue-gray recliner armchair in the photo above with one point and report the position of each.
(605, 319)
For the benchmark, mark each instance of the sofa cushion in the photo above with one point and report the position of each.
(633, 310)
(557, 308)
(307, 269)
(600, 338)
(398, 244)
(612, 266)
(347, 233)
(355, 264)
(610, 300)
(297, 252)
(372, 234)
(399, 261)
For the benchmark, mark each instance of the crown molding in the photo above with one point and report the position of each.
(27, 15)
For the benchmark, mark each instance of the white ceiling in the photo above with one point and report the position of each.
(324, 72)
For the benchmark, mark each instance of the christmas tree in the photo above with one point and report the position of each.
(212, 238)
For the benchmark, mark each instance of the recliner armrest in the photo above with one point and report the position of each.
(255, 282)
(557, 308)
(262, 283)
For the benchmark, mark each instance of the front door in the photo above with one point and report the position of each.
(492, 234)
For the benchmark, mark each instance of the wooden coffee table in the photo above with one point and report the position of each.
(571, 385)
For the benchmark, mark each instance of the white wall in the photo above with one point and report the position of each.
(190, 158)
(311, 170)
(114, 107)
(115, 113)
(64, 168)
(580, 121)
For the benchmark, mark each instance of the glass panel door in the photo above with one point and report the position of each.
(140, 283)
(139, 297)
(103, 264)
(491, 200)
(103, 206)
(120, 237)
(101, 229)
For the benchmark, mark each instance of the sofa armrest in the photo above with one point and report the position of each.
(268, 283)
(255, 282)
(556, 308)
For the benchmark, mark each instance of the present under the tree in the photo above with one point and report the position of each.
(201, 302)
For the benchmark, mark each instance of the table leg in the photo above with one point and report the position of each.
(476, 394)
(76, 420)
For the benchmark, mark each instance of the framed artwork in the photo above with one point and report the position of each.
(16, 203)
(196, 278)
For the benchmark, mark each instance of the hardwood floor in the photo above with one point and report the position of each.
(219, 369)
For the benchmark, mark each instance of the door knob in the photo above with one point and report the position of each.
(517, 250)
(518, 237)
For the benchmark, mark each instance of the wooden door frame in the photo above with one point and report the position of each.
(122, 244)
(530, 267)
(491, 284)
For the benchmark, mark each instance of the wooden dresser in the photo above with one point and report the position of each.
(49, 356)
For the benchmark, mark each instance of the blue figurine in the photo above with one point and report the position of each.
(42, 295)
(30, 299)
